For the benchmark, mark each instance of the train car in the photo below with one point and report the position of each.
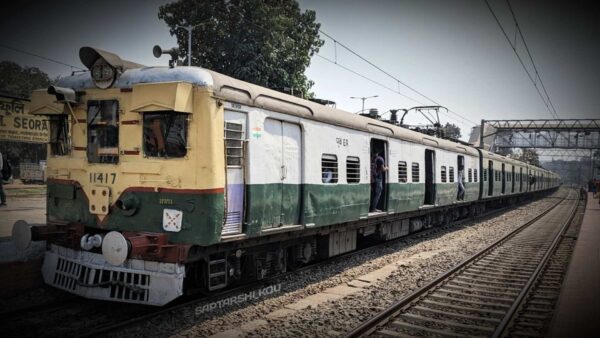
(170, 180)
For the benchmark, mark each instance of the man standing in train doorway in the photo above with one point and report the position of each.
(3, 170)
(378, 169)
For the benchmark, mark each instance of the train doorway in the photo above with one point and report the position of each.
(503, 179)
(460, 164)
(429, 177)
(379, 194)
(512, 179)
(491, 177)
(520, 179)
(235, 131)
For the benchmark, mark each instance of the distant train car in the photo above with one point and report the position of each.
(165, 180)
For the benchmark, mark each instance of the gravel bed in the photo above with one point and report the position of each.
(450, 246)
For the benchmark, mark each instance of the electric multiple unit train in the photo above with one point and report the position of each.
(166, 180)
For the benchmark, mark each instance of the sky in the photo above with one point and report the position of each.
(453, 52)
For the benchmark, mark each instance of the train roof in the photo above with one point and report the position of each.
(249, 94)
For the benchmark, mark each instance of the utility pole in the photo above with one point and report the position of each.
(189, 29)
(363, 98)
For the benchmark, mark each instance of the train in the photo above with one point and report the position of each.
(164, 181)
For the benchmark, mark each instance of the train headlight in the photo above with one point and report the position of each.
(115, 248)
(103, 74)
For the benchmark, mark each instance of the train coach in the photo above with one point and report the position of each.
(163, 181)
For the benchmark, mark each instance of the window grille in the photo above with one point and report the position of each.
(329, 168)
(415, 172)
(234, 144)
(402, 172)
(470, 175)
(444, 178)
(352, 169)
(451, 174)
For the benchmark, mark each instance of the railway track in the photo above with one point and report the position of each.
(485, 295)
(533, 317)
(129, 316)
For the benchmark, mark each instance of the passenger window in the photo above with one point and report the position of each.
(485, 178)
(402, 172)
(451, 174)
(415, 172)
(470, 175)
(234, 144)
(329, 168)
(475, 177)
(60, 140)
(165, 134)
(443, 174)
(352, 169)
(103, 131)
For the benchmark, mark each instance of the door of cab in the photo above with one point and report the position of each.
(235, 131)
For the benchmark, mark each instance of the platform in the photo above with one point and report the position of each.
(578, 309)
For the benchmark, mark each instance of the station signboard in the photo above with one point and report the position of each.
(16, 124)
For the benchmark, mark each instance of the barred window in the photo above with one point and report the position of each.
(470, 175)
(475, 177)
(485, 171)
(352, 169)
(329, 168)
(402, 172)
(234, 143)
(415, 172)
(444, 178)
(451, 174)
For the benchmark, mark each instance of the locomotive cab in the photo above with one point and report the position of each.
(135, 159)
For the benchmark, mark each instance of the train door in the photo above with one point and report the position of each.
(503, 173)
(520, 179)
(491, 178)
(512, 179)
(284, 157)
(235, 131)
(379, 147)
(429, 177)
(460, 164)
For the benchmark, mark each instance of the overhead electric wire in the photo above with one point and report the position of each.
(531, 57)
(376, 82)
(369, 79)
(519, 57)
(392, 76)
(39, 56)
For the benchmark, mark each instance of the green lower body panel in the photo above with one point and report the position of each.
(403, 197)
(202, 212)
(445, 193)
(471, 191)
(331, 204)
(271, 205)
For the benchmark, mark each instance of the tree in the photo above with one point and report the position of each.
(504, 151)
(265, 42)
(527, 155)
(21, 81)
(451, 130)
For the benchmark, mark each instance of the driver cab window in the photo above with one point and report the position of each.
(60, 139)
(103, 131)
(165, 134)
